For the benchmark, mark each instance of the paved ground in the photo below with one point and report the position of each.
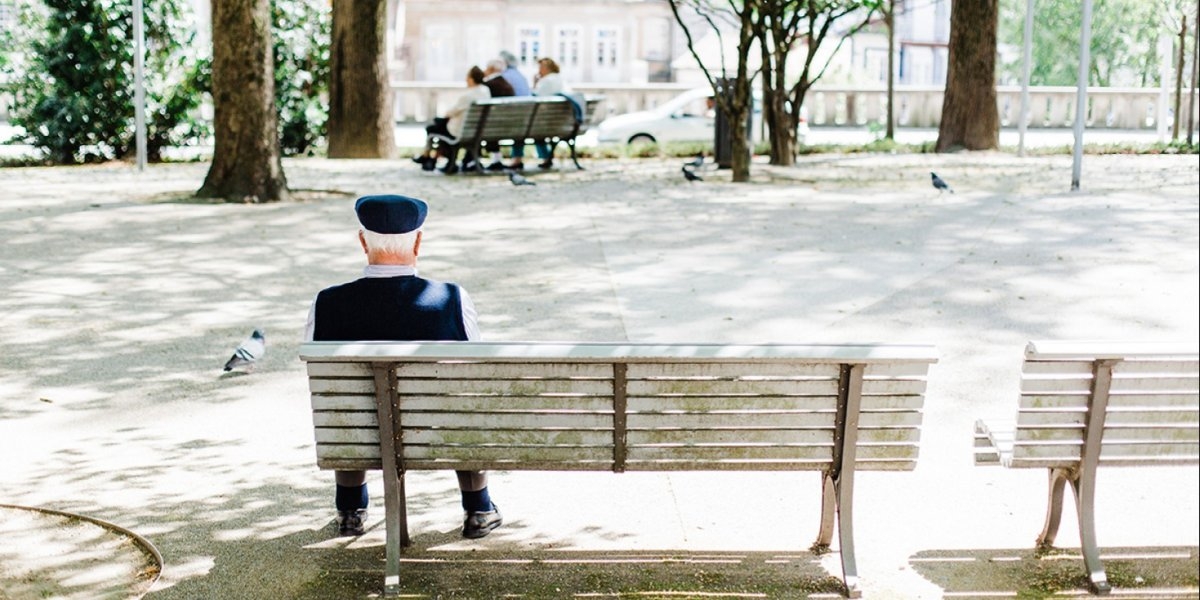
(123, 298)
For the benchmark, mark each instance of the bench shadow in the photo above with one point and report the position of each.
(1157, 572)
(433, 572)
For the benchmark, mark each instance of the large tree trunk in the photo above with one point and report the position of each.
(970, 119)
(360, 95)
(246, 164)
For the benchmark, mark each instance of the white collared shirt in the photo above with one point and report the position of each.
(469, 317)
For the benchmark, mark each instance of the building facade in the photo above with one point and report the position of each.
(595, 41)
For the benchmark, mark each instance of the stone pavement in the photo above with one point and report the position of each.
(123, 298)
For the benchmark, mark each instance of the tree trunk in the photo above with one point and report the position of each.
(970, 119)
(890, 20)
(360, 95)
(246, 164)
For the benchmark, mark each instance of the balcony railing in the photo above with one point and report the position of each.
(1050, 107)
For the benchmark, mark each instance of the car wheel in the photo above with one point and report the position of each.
(641, 138)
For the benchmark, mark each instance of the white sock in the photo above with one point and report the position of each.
(495, 157)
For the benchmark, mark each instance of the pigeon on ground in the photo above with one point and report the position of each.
(689, 175)
(695, 163)
(942, 186)
(250, 350)
(518, 179)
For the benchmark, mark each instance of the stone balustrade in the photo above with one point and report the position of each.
(917, 106)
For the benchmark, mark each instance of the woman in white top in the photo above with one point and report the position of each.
(547, 83)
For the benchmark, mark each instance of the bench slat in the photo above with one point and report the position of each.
(1026, 418)
(506, 403)
(470, 370)
(345, 419)
(520, 437)
(335, 369)
(727, 403)
(339, 402)
(346, 435)
(487, 421)
(341, 386)
(714, 453)
(504, 387)
(1084, 367)
(501, 454)
(1066, 384)
(601, 352)
(1144, 462)
(1125, 400)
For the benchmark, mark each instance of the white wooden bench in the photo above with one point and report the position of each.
(1088, 404)
(618, 407)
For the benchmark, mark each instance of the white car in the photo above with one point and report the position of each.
(688, 117)
(684, 118)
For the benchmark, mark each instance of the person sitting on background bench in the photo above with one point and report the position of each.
(447, 129)
(391, 303)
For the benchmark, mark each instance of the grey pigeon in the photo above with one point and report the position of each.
(695, 163)
(689, 175)
(250, 350)
(942, 186)
(518, 179)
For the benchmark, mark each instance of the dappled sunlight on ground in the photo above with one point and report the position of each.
(124, 297)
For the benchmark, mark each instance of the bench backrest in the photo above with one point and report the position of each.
(618, 407)
(1141, 400)
(526, 117)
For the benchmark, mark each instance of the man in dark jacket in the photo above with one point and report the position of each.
(391, 303)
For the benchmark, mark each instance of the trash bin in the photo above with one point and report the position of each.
(722, 136)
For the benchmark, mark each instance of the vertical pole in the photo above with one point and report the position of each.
(1026, 70)
(1085, 44)
(1179, 76)
(1192, 89)
(891, 67)
(139, 87)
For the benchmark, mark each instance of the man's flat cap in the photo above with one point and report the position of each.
(390, 214)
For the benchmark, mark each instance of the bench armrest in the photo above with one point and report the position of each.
(993, 442)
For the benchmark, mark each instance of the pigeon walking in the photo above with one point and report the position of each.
(250, 350)
(942, 186)
(689, 175)
(695, 163)
(518, 179)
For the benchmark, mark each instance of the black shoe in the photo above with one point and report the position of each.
(479, 524)
(350, 522)
(470, 166)
(546, 164)
(496, 166)
(429, 164)
(421, 159)
(449, 169)
(516, 167)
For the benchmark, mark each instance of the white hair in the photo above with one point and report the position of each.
(390, 243)
(498, 64)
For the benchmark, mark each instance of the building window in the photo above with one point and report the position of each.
(656, 39)
(567, 50)
(438, 53)
(8, 15)
(529, 47)
(606, 48)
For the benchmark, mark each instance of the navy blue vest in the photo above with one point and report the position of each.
(405, 308)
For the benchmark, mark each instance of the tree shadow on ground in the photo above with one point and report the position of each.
(433, 573)
(1160, 572)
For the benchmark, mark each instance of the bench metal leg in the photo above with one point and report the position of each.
(1058, 480)
(574, 156)
(837, 501)
(1085, 500)
(828, 503)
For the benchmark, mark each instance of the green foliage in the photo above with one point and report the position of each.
(301, 33)
(1123, 49)
(74, 88)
